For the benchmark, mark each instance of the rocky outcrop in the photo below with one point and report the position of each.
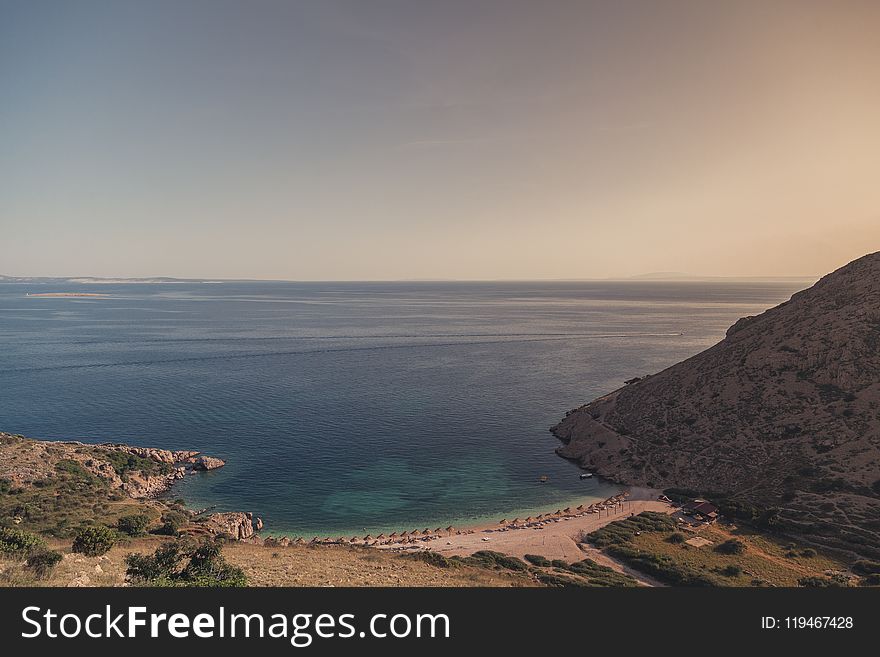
(206, 463)
(236, 524)
(140, 472)
(782, 414)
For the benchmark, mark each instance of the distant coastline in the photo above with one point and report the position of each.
(66, 294)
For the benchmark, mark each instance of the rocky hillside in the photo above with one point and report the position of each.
(781, 417)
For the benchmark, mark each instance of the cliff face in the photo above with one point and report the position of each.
(783, 413)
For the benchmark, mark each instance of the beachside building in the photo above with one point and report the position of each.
(702, 510)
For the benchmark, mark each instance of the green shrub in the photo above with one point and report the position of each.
(206, 567)
(73, 469)
(870, 580)
(18, 543)
(865, 567)
(172, 521)
(496, 559)
(94, 541)
(598, 575)
(42, 562)
(731, 546)
(732, 571)
(676, 537)
(660, 567)
(809, 553)
(125, 463)
(817, 582)
(537, 560)
(623, 531)
(164, 562)
(556, 580)
(133, 525)
(432, 558)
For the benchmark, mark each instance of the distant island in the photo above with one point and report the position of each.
(95, 280)
(67, 294)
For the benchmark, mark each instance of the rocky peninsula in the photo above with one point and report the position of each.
(49, 482)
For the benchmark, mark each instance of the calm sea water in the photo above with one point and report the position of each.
(342, 406)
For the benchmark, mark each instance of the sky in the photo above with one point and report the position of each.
(453, 139)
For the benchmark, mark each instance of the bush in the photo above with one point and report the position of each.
(865, 567)
(18, 543)
(870, 580)
(732, 546)
(206, 567)
(732, 571)
(42, 563)
(661, 567)
(163, 563)
(490, 558)
(809, 553)
(172, 521)
(73, 469)
(433, 559)
(676, 538)
(94, 541)
(623, 531)
(133, 525)
(817, 582)
(537, 560)
(125, 463)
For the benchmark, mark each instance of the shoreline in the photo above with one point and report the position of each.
(515, 537)
(553, 534)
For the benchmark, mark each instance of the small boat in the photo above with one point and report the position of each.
(544, 479)
(586, 475)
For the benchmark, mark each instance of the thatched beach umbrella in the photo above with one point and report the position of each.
(367, 538)
(315, 539)
(580, 508)
(353, 539)
(404, 534)
(380, 537)
(503, 521)
(515, 521)
(426, 532)
(300, 540)
(392, 535)
(438, 530)
(341, 539)
(558, 512)
(529, 519)
(567, 509)
(450, 529)
(327, 539)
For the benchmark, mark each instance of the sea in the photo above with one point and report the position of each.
(342, 408)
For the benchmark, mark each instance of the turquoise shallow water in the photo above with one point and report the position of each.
(344, 406)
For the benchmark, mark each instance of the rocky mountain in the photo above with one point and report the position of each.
(781, 418)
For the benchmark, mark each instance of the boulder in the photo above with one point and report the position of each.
(236, 524)
(207, 463)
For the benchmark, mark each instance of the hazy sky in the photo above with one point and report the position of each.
(373, 139)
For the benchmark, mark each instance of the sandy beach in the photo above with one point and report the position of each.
(553, 535)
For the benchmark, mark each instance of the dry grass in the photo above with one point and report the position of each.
(272, 566)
